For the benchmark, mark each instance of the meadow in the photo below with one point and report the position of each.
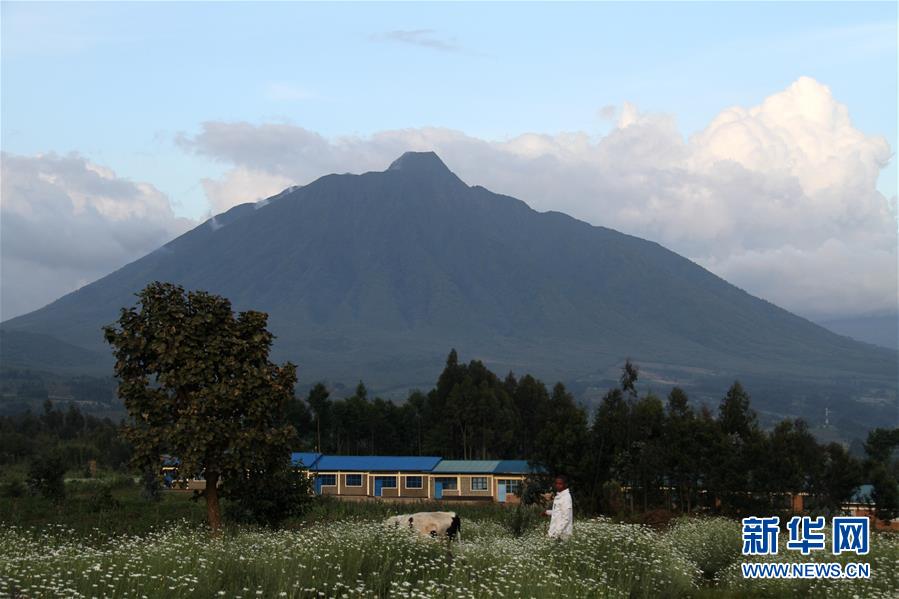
(342, 550)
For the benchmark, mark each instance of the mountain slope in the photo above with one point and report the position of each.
(882, 330)
(376, 276)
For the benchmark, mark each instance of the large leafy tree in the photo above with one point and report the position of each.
(197, 383)
(883, 471)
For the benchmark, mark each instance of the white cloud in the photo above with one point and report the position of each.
(66, 222)
(779, 198)
(802, 131)
(241, 185)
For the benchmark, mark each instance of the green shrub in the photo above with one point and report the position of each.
(712, 544)
(267, 498)
(613, 497)
(45, 476)
(102, 500)
(520, 519)
(13, 487)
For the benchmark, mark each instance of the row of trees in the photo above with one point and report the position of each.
(76, 437)
(663, 451)
(470, 414)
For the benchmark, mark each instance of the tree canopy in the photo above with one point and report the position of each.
(198, 384)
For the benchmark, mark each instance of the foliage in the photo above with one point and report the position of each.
(536, 486)
(45, 476)
(151, 490)
(102, 500)
(348, 558)
(77, 438)
(521, 519)
(197, 383)
(12, 486)
(711, 543)
(882, 466)
(613, 497)
(127, 514)
(268, 496)
(639, 452)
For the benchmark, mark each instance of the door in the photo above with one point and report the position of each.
(501, 492)
(379, 484)
(318, 485)
(438, 490)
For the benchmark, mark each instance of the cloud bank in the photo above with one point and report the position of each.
(779, 199)
(65, 222)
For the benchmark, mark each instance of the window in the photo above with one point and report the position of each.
(327, 480)
(449, 483)
(512, 486)
(354, 480)
(479, 483)
(413, 482)
(387, 482)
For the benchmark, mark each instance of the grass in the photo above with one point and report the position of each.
(136, 549)
(109, 507)
(355, 558)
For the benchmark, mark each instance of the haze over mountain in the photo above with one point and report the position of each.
(376, 276)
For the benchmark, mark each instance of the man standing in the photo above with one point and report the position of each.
(562, 514)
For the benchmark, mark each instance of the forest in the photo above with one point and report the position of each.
(635, 453)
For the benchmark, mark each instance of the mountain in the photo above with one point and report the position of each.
(376, 276)
(19, 349)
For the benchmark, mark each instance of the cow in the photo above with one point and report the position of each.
(432, 524)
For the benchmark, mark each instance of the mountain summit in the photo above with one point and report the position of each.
(426, 167)
(427, 163)
(376, 276)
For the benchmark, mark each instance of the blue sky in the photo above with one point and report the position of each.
(115, 82)
(132, 122)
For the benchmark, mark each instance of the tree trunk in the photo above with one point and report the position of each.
(464, 443)
(213, 513)
(318, 433)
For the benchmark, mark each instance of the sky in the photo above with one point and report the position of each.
(757, 139)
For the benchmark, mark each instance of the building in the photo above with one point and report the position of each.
(495, 480)
(407, 477)
(373, 476)
(304, 459)
(862, 504)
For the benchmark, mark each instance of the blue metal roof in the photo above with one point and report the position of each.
(375, 463)
(306, 459)
(467, 466)
(485, 467)
(515, 467)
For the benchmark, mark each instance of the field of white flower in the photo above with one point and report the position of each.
(352, 558)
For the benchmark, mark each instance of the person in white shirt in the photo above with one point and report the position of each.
(561, 515)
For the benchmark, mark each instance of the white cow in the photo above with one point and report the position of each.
(431, 524)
